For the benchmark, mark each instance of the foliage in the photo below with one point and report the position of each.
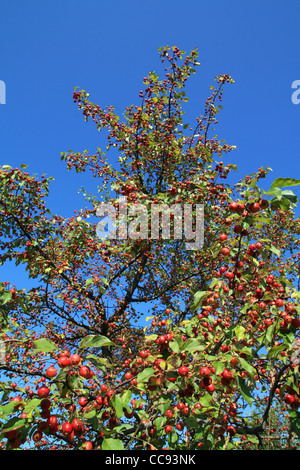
(83, 368)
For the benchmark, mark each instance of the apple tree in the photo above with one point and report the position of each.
(142, 342)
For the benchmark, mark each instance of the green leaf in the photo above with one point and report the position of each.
(290, 195)
(145, 374)
(248, 367)
(275, 250)
(90, 414)
(14, 423)
(276, 350)
(117, 404)
(31, 405)
(245, 391)
(295, 422)
(193, 344)
(112, 444)
(240, 332)
(283, 182)
(7, 409)
(95, 341)
(174, 345)
(89, 282)
(126, 397)
(44, 345)
(198, 298)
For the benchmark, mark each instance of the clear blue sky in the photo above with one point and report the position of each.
(107, 48)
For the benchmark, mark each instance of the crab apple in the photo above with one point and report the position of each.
(85, 372)
(75, 359)
(227, 374)
(43, 392)
(231, 430)
(77, 425)
(233, 207)
(205, 371)
(264, 204)
(87, 445)
(295, 323)
(82, 401)
(51, 372)
(18, 401)
(183, 371)
(279, 303)
(237, 229)
(234, 361)
(144, 354)
(210, 388)
(225, 251)
(180, 426)
(223, 237)
(37, 436)
(128, 376)
(255, 207)
(289, 399)
(63, 361)
(45, 404)
(168, 429)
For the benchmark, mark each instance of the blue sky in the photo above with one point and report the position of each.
(107, 48)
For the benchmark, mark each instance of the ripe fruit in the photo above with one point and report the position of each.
(85, 372)
(183, 371)
(67, 428)
(289, 399)
(75, 359)
(168, 429)
(223, 237)
(63, 361)
(144, 354)
(76, 425)
(225, 251)
(45, 404)
(43, 392)
(231, 430)
(87, 446)
(51, 372)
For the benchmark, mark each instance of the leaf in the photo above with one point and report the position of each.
(90, 414)
(198, 298)
(174, 346)
(44, 345)
(14, 423)
(248, 367)
(95, 341)
(275, 250)
(7, 409)
(126, 397)
(193, 344)
(283, 182)
(290, 195)
(245, 391)
(276, 350)
(89, 282)
(295, 422)
(31, 405)
(117, 404)
(240, 332)
(112, 444)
